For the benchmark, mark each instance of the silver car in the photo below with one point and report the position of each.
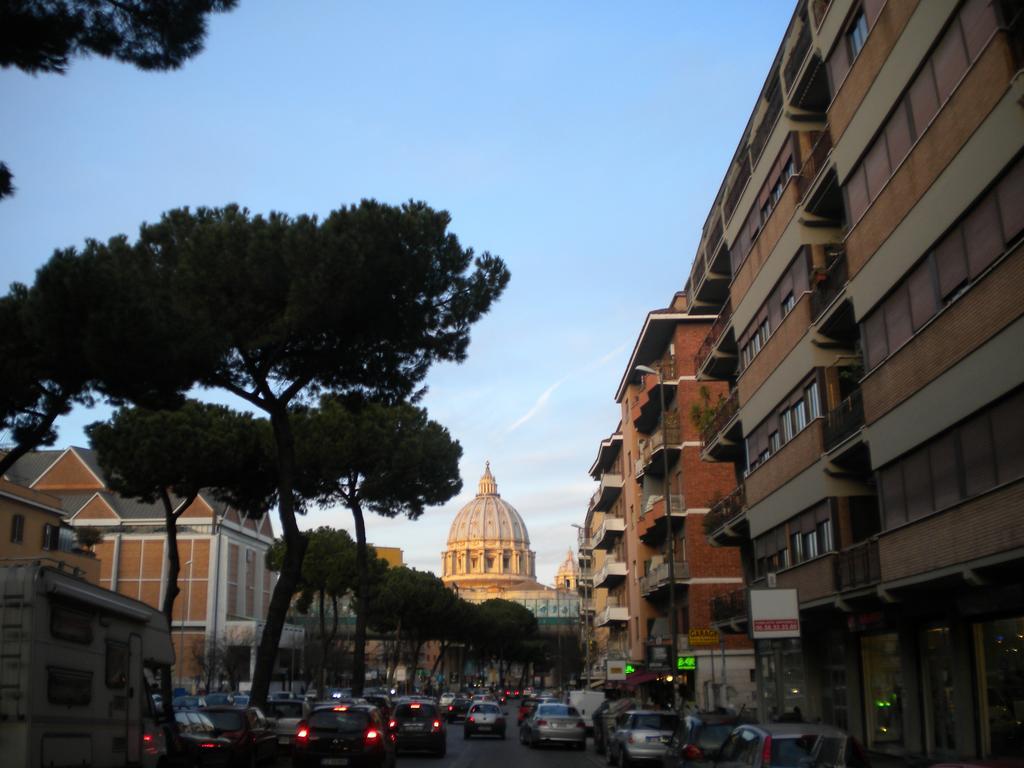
(286, 714)
(554, 724)
(484, 718)
(641, 734)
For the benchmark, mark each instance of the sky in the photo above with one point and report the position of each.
(581, 141)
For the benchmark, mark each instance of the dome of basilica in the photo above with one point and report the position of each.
(488, 540)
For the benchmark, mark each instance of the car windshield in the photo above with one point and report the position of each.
(285, 708)
(655, 722)
(416, 711)
(789, 751)
(345, 723)
(556, 710)
(201, 723)
(712, 737)
(226, 720)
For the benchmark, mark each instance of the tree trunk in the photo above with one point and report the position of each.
(171, 590)
(437, 661)
(359, 652)
(32, 439)
(322, 685)
(294, 552)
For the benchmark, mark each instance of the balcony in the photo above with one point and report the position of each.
(724, 524)
(612, 613)
(830, 283)
(612, 572)
(657, 581)
(716, 358)
(858, 566)
(646, 409)
(771, 116)
(669, 438)
(845, 420)
(816, 161)
(729, 611)
(722, 435)
(651, 527)
(586, 605)
(739, 183)
(797, 56)
(608, 491)
(609, 532)
(711, 275)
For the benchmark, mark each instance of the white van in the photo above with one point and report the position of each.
(74, 659)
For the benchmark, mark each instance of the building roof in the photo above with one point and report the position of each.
(29, 467)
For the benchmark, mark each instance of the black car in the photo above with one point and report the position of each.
(355, 736)
(698, 739)
(419, 725)
(252, 738)
(458, 709)
(195, 737)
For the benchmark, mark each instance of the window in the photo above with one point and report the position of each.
(811, 396)
(810, 545)
(799, 412)
(858, 34)
(788, 303)
(764, 332)
(796, 547)
(823, 531)
(51, 537)
(787, 426)
(70, 624)
(117, 665)
(68, 687)
(773, 442)
(17, 529)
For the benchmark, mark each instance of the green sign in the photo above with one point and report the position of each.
(630, 669)
(686, 662)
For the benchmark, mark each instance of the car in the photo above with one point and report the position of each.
(484, 718)
(283, 696)
(697, 739)
(418, 725)
(446, 698)
(240, 700)
(526, 706)
(187, 703)
(252, 739)
(458, 709)
(790, 745)
(339, 734)
(286, 714)
(381, 702)
(219, 699)
(195, 738)
(554, 724)
(640, 734)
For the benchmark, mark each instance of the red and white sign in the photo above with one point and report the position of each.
(774, 613)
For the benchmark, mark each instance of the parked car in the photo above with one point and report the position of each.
(196, 738)
(697, 740)
(338, 734)
(286, 714)
(418, 725)
(485, 718)
(790, 745)
(604, 719)
(188, 703)
(554, 724)
(458, 709)
(252, 740)
(641, 734)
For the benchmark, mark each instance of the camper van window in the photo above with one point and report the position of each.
(69, 624)
(117, 664)
(68, 687)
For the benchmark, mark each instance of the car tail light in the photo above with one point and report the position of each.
(208, 745)
(766, 751)
(451, 708)
(692, 752)
(580, 724)
(414, 706)
(372, 738)
(392, 724)
(302, 735)
(437, 725)
(470, 718)
(542, 722)
(342, 708)
(147, 738)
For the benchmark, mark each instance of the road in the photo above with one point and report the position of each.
(484, 752)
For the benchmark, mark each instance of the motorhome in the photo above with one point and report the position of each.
(75, 666)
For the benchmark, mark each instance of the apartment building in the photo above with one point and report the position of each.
(864, 261)
(650, 472)
(225, 585)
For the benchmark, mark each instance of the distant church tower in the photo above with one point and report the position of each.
(568, 574)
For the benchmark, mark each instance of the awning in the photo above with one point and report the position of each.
(639, 678)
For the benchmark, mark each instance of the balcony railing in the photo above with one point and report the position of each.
(771, 115)
(723, 415)
(714, 334)
(733, 198)
(829, 284)
(858, 566)
(729, 607)
(657, 577)
(797, 56)
(816, 160)
(727, 509)
(844, 420)
(659, 501)
(820, 8)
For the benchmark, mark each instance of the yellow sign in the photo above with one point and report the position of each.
(703, 636)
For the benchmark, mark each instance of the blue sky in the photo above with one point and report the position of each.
(581, 141)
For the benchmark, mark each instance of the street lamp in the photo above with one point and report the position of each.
(184, 612)
(671, 527)
(586, 621)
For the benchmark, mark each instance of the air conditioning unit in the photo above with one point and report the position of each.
(771, 580)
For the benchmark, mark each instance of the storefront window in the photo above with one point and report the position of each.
(1000, 658)
(937, 662)
(883, 688)
(782, 678)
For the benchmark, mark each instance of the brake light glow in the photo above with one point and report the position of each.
(471, 719)
(342, 708)
(302, 735)
(437, 725)
(147, 738)
(372, 734)
(392, 723)
(766, 751)
(451, 707)
(208, 745)
(414, 706)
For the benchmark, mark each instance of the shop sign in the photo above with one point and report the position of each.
(862, 621)
(699, 636)
(657, 657)
(617, 670)
(774, 613)
(686, 662)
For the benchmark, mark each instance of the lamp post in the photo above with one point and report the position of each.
(671, 528)
(184, 612)
(585, 620)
